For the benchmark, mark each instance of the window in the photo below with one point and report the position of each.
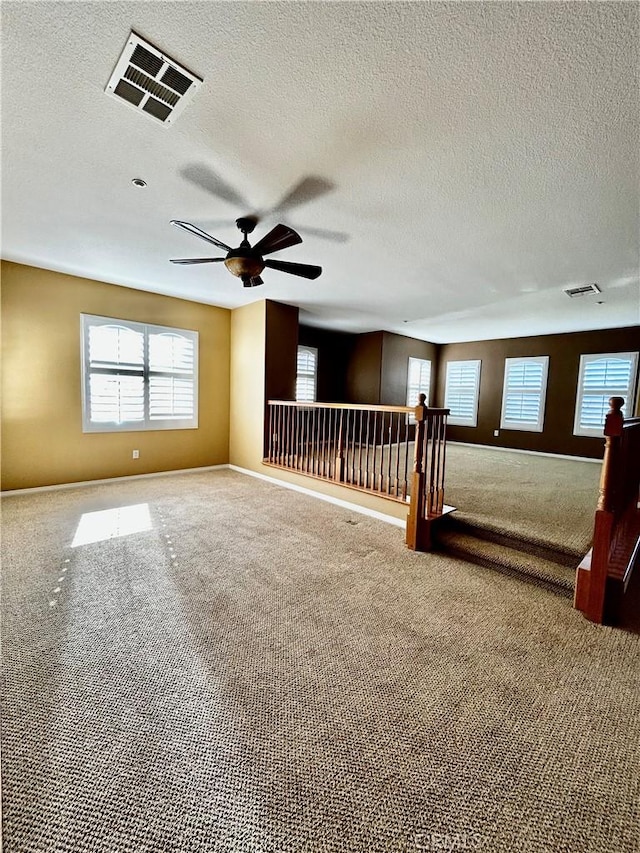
(418, 380)
(461, 392)
(307, 375)
(603, 376)
(523, 395)
(137, 376)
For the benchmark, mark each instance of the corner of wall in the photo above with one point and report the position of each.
(247, 385)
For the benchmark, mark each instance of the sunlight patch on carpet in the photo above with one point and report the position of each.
(112, 523)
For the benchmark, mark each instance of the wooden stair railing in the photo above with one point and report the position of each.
(367, 448)
(602, 578)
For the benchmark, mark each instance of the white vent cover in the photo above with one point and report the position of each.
(151, 82)
(581, 290)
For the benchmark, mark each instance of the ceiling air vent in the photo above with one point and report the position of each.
(151, 82)
(581, 290)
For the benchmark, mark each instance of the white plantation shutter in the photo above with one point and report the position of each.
(418, 380)
(171, 375)
(307, 374)
(524, 392)
(116, 374)
(602, 376)
(170, 398)
(116, 399)
(461, 392)
(111, 344)
(137, 376)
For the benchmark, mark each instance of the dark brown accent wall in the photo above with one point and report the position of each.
(396, 351)
(281, 351)
(334, 355)
(280, 357)
(564, 353)
(372, 368)
(364, 369)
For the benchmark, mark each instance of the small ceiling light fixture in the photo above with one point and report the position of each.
(138, 182)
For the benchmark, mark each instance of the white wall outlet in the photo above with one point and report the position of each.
(496, 433)
(136, 454)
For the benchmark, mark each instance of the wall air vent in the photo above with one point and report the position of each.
(150, 82)
(582, 290)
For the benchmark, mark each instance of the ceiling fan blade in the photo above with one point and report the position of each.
(305, 190)
(280, 237)
(195, 260)
(324, 234)
(305, 270)
(205, 178)
(198, 232)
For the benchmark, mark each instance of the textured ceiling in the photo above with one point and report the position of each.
(479, 157)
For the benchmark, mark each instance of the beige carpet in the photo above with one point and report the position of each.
(545, 500)
(259, 671)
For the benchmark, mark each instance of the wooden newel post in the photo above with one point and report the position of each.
(418, 533)
(613, 425)
(603, 528)
(339, 467)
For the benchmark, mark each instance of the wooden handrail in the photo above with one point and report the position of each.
(603, 576)
(359, 407)
(367, 448)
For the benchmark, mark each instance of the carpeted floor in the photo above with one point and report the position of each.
(258, 671)
(551, 501)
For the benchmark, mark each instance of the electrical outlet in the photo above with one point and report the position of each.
(496, 433)
(136, 454)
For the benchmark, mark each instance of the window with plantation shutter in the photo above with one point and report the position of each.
(171, 363)
(307, 375)
(524, 392)
(137, 376)
(418, 380)
(461, 392)
(602, 376)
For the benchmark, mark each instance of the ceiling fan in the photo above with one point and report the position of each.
(247, 262)
(307, 189)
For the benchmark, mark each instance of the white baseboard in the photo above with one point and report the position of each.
(528, 452)
(363, 510)
(34, 489)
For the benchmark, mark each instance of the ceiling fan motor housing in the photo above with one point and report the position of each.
(243, 263)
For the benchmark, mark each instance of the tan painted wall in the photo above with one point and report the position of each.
(248, 329)
(248, 348)
(42, 438)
